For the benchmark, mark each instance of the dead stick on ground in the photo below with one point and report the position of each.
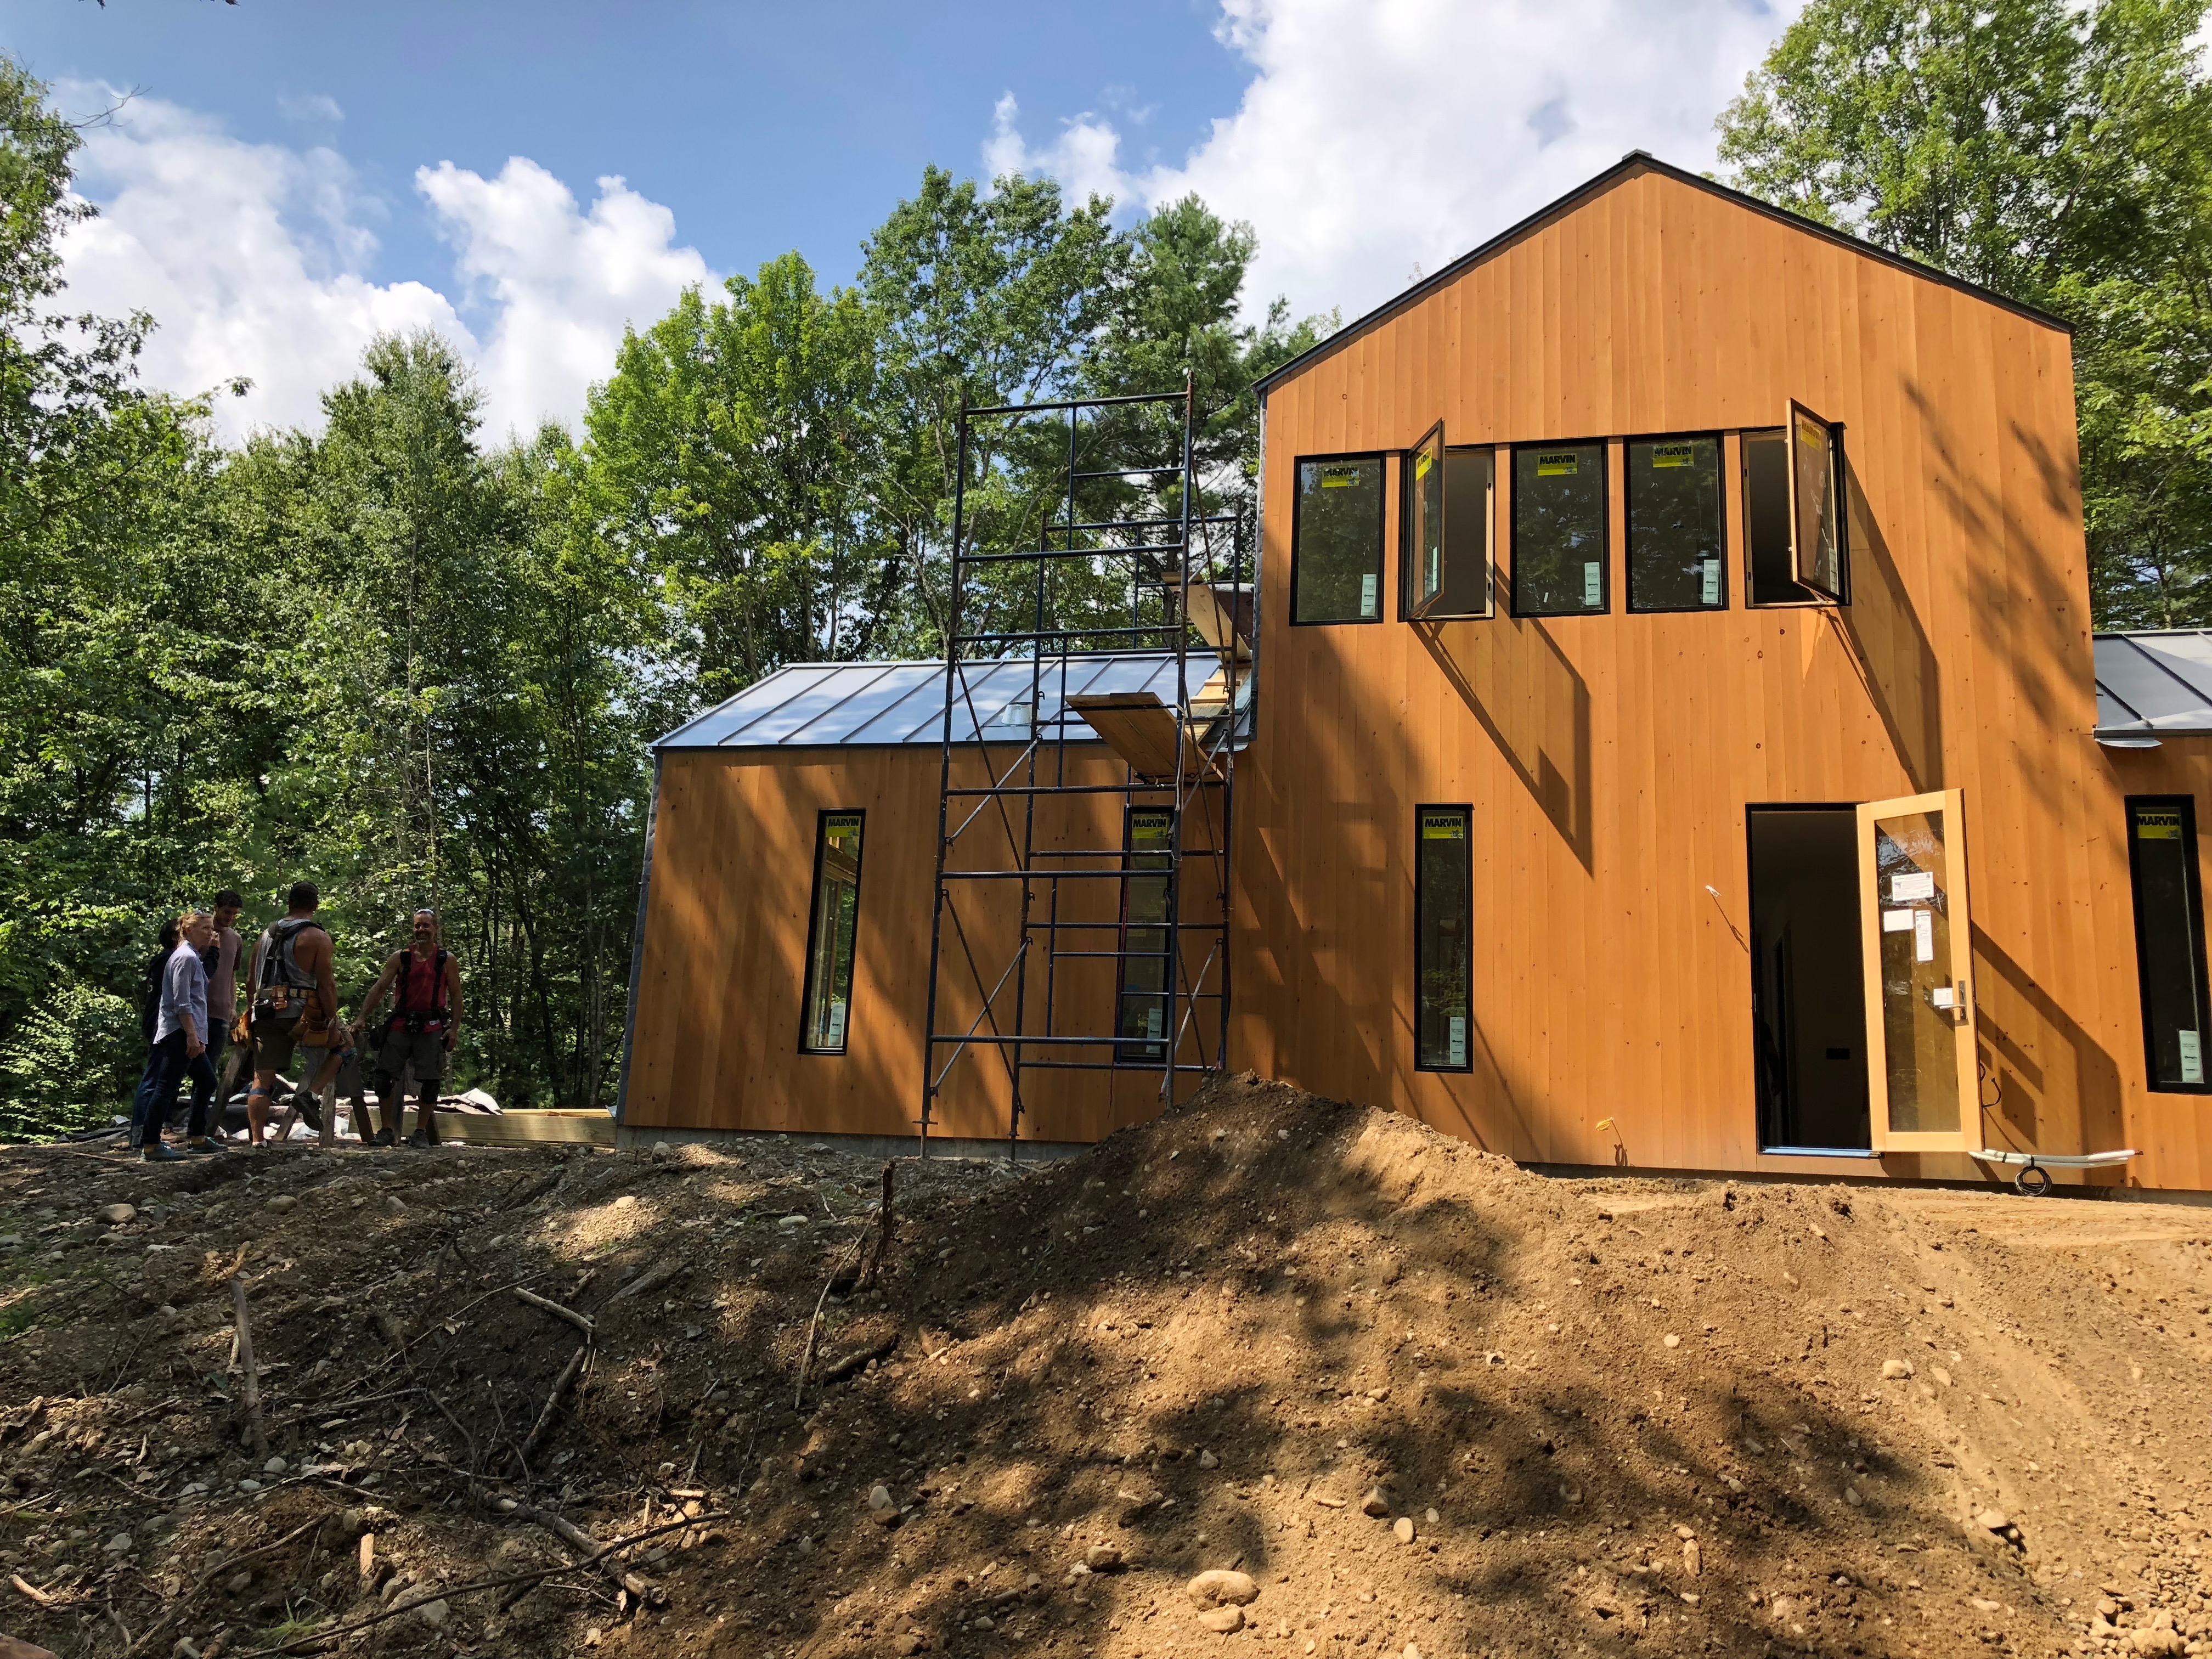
(814, 1325)
(251, 1376)
(553, 1403)
(883, 1223)
(593, 1557)
(590, 1331)
(32, 1590)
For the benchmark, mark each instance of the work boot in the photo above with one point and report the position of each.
(384, 1137)
(160, 1151)
(420, 1138)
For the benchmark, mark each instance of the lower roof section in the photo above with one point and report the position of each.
(2154, 683)
(879, 704)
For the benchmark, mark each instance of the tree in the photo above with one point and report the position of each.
(731, 451)
(2060, 156)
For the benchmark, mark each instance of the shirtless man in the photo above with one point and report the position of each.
(292, 988)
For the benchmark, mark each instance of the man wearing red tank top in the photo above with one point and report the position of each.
(426, 1017)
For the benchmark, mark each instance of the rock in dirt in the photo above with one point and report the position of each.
(282, 1202)
(1402, 1529)
(1206, 1459)
(1103, 1557)
(433, 1613)
(1893, 1368)
(115, 1215)
(1993, 1520)
(1375, 1504)
(12, 1649)
(1223, 1621)
(1220, 1587)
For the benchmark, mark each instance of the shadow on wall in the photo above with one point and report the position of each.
(2028, 1099)
(1888, 648)
(1514, 678)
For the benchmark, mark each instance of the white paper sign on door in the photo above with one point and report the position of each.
(1897, 922)
(1918, 888)
(1923, 936)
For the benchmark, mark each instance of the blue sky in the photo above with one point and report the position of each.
(291, 178)
(763, 127)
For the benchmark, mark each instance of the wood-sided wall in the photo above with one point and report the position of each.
(722, 981)
(1609, 759)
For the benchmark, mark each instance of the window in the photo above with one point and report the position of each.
(1766, 522)
(830, 935)
(1449, 496)
(1142, 1027)
(1673, 499)
(1443, 901)
(1559, 530)
(1336, 541)
(2169, 939)
(1816, 529)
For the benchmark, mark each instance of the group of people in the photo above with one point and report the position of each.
(291, 1017)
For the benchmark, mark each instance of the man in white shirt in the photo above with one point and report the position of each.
(180, 1042)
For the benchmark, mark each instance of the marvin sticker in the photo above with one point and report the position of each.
(1674, 454)
(1564, 464)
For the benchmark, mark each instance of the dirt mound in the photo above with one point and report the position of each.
(1390, 1392)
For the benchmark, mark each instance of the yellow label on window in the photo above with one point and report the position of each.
(2158, 826)
(1810, 432)
(1421, 464)
(1564, 465)
(1338, 478)
(1444, 826)
(841, 827)
(1674, 454)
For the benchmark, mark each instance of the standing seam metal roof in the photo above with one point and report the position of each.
(885, 704)
(2155, 683)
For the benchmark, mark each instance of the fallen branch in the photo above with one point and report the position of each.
(885, 1220)
(590, 1331)
(251, 1376)
(33, 1591)
(814, 1325)
(261, 1550)
(853, 1362)
(552, 1403)
(652, 1279)
(595, 1555)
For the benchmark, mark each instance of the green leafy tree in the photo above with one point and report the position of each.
(2058, 154)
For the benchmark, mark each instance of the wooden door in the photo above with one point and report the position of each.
(1918, 937)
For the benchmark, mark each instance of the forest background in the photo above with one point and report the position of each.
(419, 667)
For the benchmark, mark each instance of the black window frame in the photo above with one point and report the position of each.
(1143, 1052)
(1604, 447)
(1467, 810)
(2186, 805)
(1719, 440)
(822, 818)
(1381, 457)
(1429, 613)
(1839, 482)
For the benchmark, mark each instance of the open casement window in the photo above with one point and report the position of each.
(1816, 504)
(1450, 505)
(1422, 525)
(1919, 988)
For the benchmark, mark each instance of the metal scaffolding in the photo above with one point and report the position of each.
(1114, 573)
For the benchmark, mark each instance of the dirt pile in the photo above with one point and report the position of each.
(1273, 1374)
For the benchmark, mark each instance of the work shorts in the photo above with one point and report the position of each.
(402, 1050)
(280, 1046)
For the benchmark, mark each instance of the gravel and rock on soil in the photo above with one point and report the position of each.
(1272, 1375)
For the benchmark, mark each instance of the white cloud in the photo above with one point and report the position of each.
(560, 284)
(1083, 158)
(1381, 136)
(254, 261)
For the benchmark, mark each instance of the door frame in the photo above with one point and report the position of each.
(1951, 803)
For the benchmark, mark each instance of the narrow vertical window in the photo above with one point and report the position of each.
(1816, 498)
(830, 935)
(2169, 939)
(1559, 530)
(1336, 541)
(1766, 521)
(1674, 491)
(1142, 1027)
(1442, 953)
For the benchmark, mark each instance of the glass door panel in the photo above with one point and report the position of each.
(1424, 523)
(1919, 990)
